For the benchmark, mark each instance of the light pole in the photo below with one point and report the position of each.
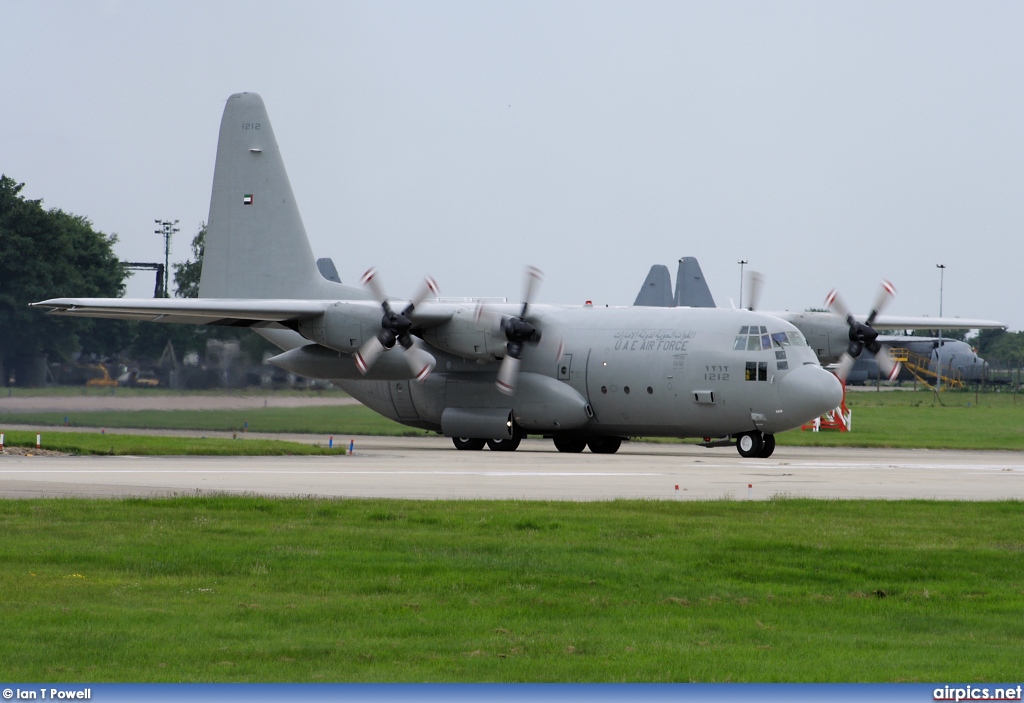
(938, 349)
(167, 229)
(742, 263)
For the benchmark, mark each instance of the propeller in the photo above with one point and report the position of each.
(519, 332)
(394, 327)
(755, 284)
(863, 335)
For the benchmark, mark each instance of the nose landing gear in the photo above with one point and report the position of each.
(755, 444)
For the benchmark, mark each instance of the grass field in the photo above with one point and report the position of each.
(112, 444)
(248, 589)
(325, 420)
(886, 419)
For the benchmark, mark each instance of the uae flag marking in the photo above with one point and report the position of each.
(247, 199)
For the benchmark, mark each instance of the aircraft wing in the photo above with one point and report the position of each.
(201, 311)
(896, 322)
(228, 311)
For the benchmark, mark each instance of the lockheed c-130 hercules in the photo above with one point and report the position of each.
(585, 376)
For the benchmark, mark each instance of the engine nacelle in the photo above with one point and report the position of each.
(344, 326)
(463, 335)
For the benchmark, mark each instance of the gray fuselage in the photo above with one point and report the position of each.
(674, 372)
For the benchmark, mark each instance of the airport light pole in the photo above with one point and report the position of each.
(938, 349)
(167, 229)
(742, 263)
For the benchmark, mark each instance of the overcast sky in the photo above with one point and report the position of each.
(828, 144)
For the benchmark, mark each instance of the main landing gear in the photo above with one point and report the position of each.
(571, 445)
(598, 445)
(506, 444)
(495, 445)
(755, 444)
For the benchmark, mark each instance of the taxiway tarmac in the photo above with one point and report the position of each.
(430, 468)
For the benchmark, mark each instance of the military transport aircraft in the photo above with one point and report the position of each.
(837, 337)
(584, 376)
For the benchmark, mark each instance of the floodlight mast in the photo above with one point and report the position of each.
(167, 229)
(742, 263)
(938, 349)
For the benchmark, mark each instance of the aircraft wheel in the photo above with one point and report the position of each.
(750, 444)
(504, 445)
(572, 445)
(769, 446)
(468, 443)
(605, 445)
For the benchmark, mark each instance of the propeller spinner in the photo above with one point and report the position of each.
(519, 332)
(394, 327)
(863, 335)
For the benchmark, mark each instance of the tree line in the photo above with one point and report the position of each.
(49, 253)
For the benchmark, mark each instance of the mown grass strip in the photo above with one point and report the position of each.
(252, 589)
(326, 420)
(141, 445)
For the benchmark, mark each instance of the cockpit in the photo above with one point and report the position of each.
(757, 338)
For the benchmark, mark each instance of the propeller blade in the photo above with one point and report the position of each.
(889, 367)
(755, 284)
(429, 286)
(371, 280)
(420, 361)
(886, 293)
(533, 278)
(835, 303)
(367, 355)
(843, 368)
(507, 375)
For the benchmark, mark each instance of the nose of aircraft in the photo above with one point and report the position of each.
(808, 392)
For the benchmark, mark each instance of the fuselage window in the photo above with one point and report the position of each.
(762, 371)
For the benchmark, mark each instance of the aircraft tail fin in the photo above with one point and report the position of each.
(656, 291)
(256, 244)
(691, 288)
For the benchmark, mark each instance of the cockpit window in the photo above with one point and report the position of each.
(797, 339)
(756, 338)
